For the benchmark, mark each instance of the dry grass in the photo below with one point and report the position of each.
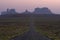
(8, 31)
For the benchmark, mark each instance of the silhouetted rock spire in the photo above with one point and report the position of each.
(26, 12)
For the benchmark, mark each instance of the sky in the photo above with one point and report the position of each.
(22, 5)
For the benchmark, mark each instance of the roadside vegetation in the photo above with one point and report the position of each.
(50, 29)
(10, 30)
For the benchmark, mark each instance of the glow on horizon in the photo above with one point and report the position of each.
(21, 5)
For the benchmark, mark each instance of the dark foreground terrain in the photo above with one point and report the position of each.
(27, 27)
(31, 34)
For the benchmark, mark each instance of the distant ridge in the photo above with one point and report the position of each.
(43, 10)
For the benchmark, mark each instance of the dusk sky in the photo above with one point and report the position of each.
(21, 5)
